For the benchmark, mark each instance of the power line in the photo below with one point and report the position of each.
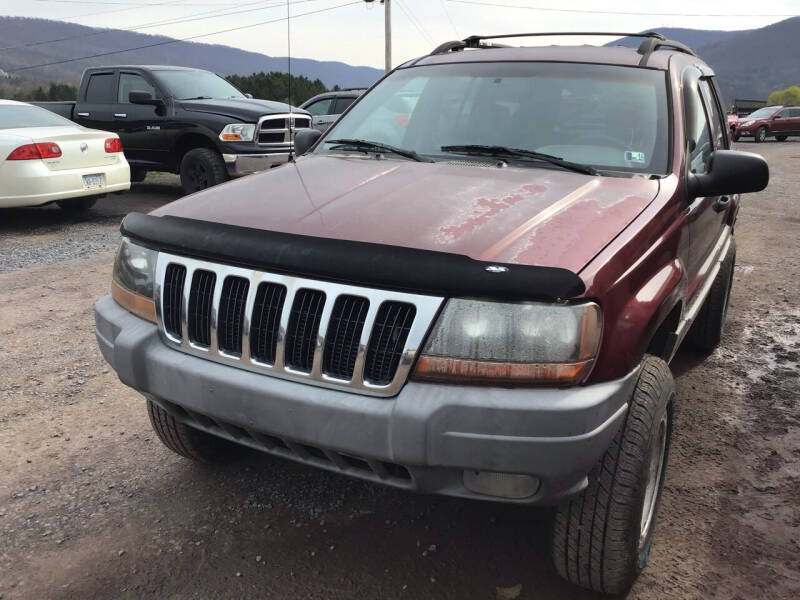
(174, 41)
(173, 21)
(615, 12)
(449, 18)
(415, 23)
(135, 4)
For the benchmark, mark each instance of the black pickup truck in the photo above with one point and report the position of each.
(186, 121)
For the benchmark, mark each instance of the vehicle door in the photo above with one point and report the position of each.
(140, 126)
(321, 113)
(95, 105)
(781, 122)
(708, 215)
(794, 114)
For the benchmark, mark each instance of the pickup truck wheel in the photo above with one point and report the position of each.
(202, 168)
(706, 332)
(77, 204)
(189, 442)
(781, 138)
(761, 134)
(602, 537)
(138, 175)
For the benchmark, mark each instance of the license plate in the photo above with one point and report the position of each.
(93, 181)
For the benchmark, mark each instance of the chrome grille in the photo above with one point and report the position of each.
(322, 333)
(278, 130)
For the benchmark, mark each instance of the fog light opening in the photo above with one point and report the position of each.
(502, 485)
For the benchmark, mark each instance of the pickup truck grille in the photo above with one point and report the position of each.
(318, 332)
(278, 130)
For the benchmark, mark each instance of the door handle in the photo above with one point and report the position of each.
(120, 115)
(83, 114)
(722, 203)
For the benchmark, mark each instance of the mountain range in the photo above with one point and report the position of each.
(749, 63)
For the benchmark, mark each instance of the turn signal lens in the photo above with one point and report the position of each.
(36, 151)
(113, 145)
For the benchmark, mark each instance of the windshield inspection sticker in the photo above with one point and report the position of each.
(631, 156)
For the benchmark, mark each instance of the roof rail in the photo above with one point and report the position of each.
(648, 46)
(476, 41)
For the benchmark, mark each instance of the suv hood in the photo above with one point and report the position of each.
(533, 216)
(243, 109)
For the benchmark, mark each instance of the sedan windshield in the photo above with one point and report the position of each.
(191, 85)
(25, 115)
(612, 118)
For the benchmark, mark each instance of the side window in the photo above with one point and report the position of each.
(130, 82)
(101, 89)
(785, 113)
(341, 105)
(320, 107)
(796, 113)
(718, 121)
(698, 132)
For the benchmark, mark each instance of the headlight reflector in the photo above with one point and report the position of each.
(238, 132)
(511, 343)
(133, 279)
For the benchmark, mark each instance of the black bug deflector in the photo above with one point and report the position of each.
(360, 263)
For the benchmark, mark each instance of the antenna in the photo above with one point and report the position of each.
(289, 59)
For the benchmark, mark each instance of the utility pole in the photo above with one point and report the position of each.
(387, 31)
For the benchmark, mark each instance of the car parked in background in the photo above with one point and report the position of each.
(185, 121)
(325, 108)
(458, 289)
(779, 122)
(45, 158)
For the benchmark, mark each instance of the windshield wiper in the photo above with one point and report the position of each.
(199, 98)
(505, 152)
(363, 146)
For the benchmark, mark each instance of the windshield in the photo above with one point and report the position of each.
(762, 113)
(188, 85)
(25, 115)
(610, 117)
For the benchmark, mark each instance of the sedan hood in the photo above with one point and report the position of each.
(243, 109)
(532, 216)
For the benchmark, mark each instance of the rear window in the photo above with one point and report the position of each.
(25, 115)
(101, 88)
(611, 117)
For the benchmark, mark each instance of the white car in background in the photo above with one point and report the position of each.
(46, 158)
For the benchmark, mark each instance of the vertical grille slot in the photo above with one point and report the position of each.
(201, 296)
(301, 334)
(265, 321)
(230, 318)
(343, 336)
(172, 297)
(386, 343)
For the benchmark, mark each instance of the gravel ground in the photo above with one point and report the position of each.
(92, 506)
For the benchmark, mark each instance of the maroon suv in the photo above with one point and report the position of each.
(472, 284)
(771, 121)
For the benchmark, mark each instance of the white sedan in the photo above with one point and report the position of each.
(46, 158)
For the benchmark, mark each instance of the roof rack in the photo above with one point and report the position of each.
(652, 42)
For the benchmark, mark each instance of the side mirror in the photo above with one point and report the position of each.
(776, 117)
(304, 139)
(139, 97)
(249, 96)
(730, 172)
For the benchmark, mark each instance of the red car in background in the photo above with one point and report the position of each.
(771, 121)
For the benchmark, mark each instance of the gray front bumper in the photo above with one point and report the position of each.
(434, 431)
(245, 164)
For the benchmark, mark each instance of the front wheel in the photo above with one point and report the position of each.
(602, 537)
(761, 134)
(202, 168)
(736, 137)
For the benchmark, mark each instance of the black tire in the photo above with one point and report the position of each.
(706, 332)
(760, 135)
(736, 137)
(600, 540)
(189, 442)
(138, 175)
(78, 204)
(202, 168)
(781, 138)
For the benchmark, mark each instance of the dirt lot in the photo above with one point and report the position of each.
(92, 506)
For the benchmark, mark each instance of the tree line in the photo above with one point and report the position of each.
(267, 86)
(788, 97)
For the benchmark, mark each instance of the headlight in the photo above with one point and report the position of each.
(511, 344)
(238, 132)
(133, 277)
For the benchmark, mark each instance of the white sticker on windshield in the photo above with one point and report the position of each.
(631, 156)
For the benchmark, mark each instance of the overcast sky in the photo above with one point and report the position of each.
(354, 33)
